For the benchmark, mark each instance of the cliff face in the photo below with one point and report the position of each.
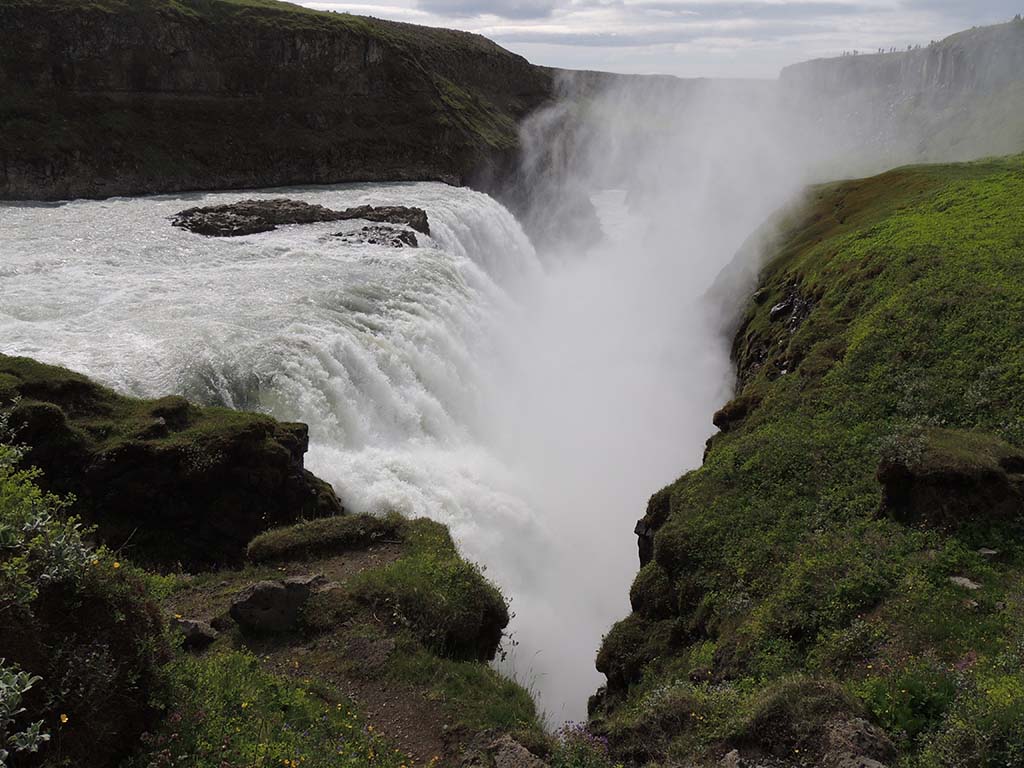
(958, 99)
(110, 97)
(981, 60)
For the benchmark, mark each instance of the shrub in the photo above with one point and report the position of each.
(910, 701)
(78, 622)
(985, 728)
(577, 747)
(14, 684)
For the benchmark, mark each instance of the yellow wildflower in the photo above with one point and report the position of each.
(116, 565)
(63, 718)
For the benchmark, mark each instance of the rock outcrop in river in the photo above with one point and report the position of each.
(249, 217)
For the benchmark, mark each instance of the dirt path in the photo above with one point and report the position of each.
(353, 666)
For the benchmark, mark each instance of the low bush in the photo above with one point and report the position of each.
(577, 747)
(78, 625)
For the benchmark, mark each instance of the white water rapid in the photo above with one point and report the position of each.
(532, 402)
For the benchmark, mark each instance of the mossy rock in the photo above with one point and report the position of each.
(168, 481)
(811, 721)
(326, 536)
(952, 479)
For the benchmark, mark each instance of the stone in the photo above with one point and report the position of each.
(731, 760)
(851, 761)
(271, 606)
(392, 237)
(197, 635)
(856, 742)
(250, 217)
(509, 753)
(780, 310)
(963, 581)
(645, 541)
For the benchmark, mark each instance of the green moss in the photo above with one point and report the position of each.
(908, 336)
(105, 420)
(442, 598)
(325, 536)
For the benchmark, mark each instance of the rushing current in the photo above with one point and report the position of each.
(468, 380)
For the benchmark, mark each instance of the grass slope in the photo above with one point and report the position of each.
(891, 312)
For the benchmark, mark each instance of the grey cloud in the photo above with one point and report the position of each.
(754, 10)
(975, 11)
(508, 9)
(668, 36)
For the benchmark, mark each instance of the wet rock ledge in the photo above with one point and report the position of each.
(249, 217)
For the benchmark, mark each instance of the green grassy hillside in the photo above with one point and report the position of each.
(885, 341)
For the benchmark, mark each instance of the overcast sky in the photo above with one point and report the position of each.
(691, 38)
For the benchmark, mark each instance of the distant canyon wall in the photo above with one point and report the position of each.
(106, 98)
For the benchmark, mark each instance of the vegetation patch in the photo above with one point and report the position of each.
(443, 599)
(81, 639)
(225, 710)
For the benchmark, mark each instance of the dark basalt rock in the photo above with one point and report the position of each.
(391, 237)
(658, 508)
(249, 217)
(734, 412)
(273, 606)
(169, 481)
(951, 478)
(196, 635)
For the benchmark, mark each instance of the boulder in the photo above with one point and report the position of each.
(249, 217)
(270, 606)
(197, 635)
(856, 743)
(501, 752)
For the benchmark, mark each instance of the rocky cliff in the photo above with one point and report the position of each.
(956, 99)
(108, 97)
(980, 60)
(162, 480)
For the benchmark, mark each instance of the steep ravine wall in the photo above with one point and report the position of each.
(108, 98)
(980, 60)
(958, 99)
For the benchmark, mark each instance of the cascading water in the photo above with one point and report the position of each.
(531, 402)
(390, 355)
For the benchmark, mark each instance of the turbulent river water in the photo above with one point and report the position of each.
(470, 380)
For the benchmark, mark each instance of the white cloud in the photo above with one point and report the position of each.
(691, 38)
